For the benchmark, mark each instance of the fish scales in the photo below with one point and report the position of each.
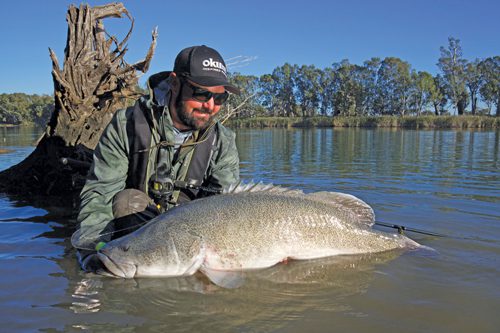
(248, 230)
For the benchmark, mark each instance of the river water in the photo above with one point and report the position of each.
(446, 182)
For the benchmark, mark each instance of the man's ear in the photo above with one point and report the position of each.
(175, 84)
(175, 88)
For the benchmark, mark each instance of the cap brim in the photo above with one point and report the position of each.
(207, 81)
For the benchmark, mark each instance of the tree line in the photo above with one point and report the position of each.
(20, 108)
(378, 87)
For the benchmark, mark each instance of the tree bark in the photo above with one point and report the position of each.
(436, 110)
(473, 105)
(94, 82)
(461, 106)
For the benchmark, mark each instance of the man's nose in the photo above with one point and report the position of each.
(210, 104)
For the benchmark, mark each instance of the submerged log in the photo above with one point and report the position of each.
(95, 81)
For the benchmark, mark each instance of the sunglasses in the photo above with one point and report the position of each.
(190, 91)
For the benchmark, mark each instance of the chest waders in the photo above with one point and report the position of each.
(187, 184)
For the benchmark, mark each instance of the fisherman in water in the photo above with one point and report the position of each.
(165, 150)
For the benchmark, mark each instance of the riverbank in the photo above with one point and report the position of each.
(413, 122)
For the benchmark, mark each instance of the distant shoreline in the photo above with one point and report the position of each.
(411, 122)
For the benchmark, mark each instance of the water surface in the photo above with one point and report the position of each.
(442, 181)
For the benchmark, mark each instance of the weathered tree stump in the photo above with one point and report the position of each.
(95, 82)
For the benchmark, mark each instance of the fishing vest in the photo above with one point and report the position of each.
(139, 134)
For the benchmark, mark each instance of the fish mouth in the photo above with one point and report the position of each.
(123, 270)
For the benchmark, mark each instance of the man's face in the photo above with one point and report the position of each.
(192, 113)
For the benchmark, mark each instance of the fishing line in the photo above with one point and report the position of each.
(401, 229)
(77, 238)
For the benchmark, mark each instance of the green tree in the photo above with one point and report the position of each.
(268, 97)
(453, 67)
(344, 86)
(423, 87)
(367, 78)
(41, 110)
(327, 91)
(490, 90)
(19, 108)
(306, 80)
(473, 81)
(9, 116)
(14, 108)
(282, 87)
(438, 95)
(247, 101)
(394, 84)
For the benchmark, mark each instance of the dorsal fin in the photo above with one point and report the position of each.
(360, 209)
(258, 187)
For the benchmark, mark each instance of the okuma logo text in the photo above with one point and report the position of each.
(214, 65)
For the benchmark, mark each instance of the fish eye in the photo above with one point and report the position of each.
(125, 247)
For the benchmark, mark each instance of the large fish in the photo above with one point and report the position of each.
(248, 229)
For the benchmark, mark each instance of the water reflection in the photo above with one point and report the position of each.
(364, 153)
(18, 136)
(16, 143)
(86, 296)
(269, 299)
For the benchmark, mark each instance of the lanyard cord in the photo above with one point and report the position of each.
(165, 143)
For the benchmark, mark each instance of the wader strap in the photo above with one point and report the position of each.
(200, 160)
(139, 133)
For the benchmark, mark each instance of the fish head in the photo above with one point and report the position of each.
(138, 256)
(116, 263)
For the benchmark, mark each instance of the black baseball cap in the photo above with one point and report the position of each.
(204, 66)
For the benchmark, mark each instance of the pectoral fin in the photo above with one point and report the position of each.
(197, 251)
(224, 279)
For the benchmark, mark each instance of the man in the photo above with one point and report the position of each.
(165, 150)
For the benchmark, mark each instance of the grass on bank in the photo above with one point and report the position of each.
(413, 122)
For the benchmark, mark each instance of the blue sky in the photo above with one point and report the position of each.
(269, 33)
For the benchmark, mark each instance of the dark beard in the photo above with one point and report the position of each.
(189, 120)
